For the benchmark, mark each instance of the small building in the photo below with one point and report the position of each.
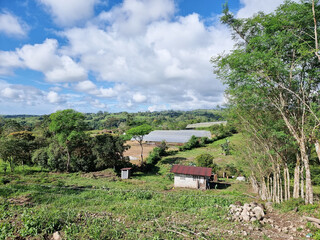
(191, 177)
(125, 173)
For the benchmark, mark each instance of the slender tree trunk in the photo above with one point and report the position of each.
(264, 194)
(302, 182)
(141, 151)
(269, 196)
(281, 189)
(254, 184)
(317, 145)
(285, 184)
(288, 182)
(296, 178)
(305, 159)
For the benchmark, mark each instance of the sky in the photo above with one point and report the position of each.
(112, 55)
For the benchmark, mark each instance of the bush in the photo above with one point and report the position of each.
(194, 142)
(156, 154)
(204, 160)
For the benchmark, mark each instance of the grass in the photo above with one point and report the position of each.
(35, 203)
(214, 149)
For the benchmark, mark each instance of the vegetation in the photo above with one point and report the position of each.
(138, 133)
(273, 84)
(61, 143)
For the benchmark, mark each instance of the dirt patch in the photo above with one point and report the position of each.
(21, 200)
(134, 152)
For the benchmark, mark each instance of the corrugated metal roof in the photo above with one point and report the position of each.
(190, 170)
(175, 136)
(205, 124)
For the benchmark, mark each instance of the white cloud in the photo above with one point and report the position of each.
(8, 61)
(53, 97)
(132, 16)
(19, 93)
(12, 26)
(162, 60)
(69, 12)
(139, 98)
(251, 7)
(45, 58)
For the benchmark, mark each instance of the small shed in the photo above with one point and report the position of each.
(125, 173)
(191, 177)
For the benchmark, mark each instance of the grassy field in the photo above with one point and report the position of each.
(214, 149)
(35, 203)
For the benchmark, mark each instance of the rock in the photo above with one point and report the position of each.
(244, 233)
(253, 219)
(269, 206)
(259, 213)
(56, 236)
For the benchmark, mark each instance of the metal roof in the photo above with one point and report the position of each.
(175, 136)
(205, 124)
(190, 170)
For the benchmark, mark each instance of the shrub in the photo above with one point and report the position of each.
(192, 143)
(204, 160)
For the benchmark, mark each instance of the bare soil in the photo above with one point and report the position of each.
(135, 151)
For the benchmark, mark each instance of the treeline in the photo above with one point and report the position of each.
(121, 122)
(273, 84)
(60, 142)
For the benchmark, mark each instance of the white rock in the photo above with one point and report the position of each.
(56, 236)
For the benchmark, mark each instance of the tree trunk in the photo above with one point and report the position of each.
(281, 190)
(263, 191)
(269, 196)
(296, 178)
(254, 184)
(285, 184)
(317, 145)
(288, 182)
(305, 159)
(302, 182)
(141, 151)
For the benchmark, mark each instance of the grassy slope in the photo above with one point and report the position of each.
(214, 149)
(36, 203)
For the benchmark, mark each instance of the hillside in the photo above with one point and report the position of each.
(36, 203)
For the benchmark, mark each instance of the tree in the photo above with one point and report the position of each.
(275, 64)
(67, 126)
(108, 151)
(138, 133)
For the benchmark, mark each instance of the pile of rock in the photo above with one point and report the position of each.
(246, 213)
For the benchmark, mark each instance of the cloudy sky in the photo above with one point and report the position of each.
(112, 55)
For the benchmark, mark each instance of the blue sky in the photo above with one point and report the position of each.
(132, 55)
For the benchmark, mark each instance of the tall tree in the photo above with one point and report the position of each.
(138, 133)
(67, 126)
(274, 61)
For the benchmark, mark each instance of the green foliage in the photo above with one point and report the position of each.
(193, 142)
(140, 131)
(226, 147)
(157, 153)
(315, 172)
(108, 151)
(204, 160)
